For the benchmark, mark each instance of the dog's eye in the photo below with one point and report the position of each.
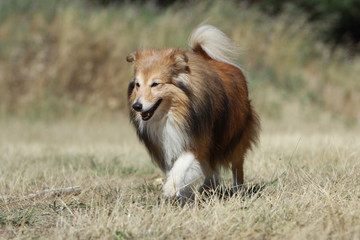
(154, 84)
(137, 84)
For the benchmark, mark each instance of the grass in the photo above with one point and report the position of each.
(311, 188)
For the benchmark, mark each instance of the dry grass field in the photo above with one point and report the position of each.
(310, 182)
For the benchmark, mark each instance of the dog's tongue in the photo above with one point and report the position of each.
(146, 115)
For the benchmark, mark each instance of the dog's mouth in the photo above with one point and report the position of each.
(148, 114)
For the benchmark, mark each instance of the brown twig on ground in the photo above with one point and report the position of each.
(46, 193)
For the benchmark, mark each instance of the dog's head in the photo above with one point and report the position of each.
(154, 88)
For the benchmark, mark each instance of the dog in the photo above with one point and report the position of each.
(192, 111)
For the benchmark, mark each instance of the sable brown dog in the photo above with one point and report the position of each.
(192, 111)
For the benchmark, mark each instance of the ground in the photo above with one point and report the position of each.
(310, 180)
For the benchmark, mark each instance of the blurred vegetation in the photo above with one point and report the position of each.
(62, 57)
(339, 20)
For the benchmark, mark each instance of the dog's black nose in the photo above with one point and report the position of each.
(137, 106)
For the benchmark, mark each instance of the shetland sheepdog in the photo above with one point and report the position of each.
(192, 111)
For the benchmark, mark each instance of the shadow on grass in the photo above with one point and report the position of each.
(243, 191)
(222, 193)
(226, 192)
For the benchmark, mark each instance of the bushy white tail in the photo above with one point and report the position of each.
(214, 43)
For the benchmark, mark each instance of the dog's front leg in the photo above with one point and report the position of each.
(185, 171)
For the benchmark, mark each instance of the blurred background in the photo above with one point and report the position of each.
(65, 59)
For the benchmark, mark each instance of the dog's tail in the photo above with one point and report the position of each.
(210, 42)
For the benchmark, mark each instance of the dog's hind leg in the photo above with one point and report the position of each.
(183, 174)
(249, 137)
(237, 161)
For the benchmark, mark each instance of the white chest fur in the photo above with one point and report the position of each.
(170, 134)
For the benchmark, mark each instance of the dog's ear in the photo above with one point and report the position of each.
(180, 60)
(132, 57)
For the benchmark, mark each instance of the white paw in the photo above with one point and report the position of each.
(169, 188)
